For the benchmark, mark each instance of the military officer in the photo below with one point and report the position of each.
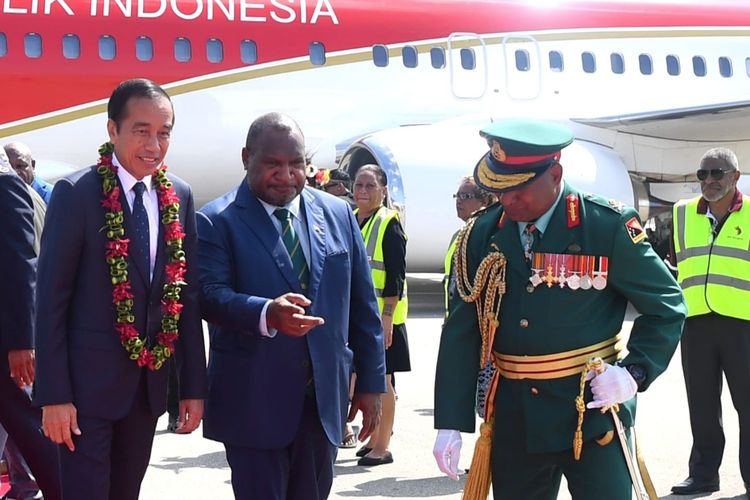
(552, 270)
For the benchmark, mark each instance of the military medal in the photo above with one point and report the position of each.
(536, 269)
(574, 281)
(585, 269)
(600, 280)
(550, 274)
(561, 279)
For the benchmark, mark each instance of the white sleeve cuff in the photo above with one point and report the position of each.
(263, 326)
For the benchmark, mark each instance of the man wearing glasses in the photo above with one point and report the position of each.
(711, 241)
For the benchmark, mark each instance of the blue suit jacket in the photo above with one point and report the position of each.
(79, 356)
(43, 188)
(257, 384)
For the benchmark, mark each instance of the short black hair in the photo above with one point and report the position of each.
(339, 174)
(377, 171)
(132, 89)
(275, 121)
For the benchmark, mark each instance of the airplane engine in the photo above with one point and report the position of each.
(425, 164)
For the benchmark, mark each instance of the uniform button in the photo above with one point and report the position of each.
(534, 391)
(524, 323)
(530, 288)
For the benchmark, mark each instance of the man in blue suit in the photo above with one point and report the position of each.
(24, 164)
(286, 289)
(118, 287)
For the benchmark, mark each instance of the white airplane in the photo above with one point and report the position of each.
(647, 86)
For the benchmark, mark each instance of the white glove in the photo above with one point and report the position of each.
(613, 385)
(447, 451)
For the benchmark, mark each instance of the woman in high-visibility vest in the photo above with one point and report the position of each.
(469, 199)
(385, 243)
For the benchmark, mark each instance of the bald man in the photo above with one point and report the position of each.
(24, 164)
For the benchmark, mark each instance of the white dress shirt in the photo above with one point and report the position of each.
(304, 240)
(150, 202)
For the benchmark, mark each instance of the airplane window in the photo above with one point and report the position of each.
(645, 63)
(107, 47)
(725, 67)
(144, 48)
(747, 61)
(317, 53)
(673, 65)
(182, 49)
(699, 66)
(588, 61)
(522, 60)
(214, 50)
(32, 45)
(555, 61)
(437, 57)
(71, 46)
(248, 51)
(3, 45)
(467, 59)
(380, 55)
(410, 56)
(617, 62)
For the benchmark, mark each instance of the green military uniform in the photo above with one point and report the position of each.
(535, 419)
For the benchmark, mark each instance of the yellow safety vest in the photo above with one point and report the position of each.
(447, 266)
(373, 233)
(714, 273)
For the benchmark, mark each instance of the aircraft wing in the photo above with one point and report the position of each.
(726, 122)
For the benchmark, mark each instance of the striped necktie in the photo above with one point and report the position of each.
(292, 244)
(527, 238)
(142, 238)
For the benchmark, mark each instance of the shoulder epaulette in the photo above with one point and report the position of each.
(612, 204)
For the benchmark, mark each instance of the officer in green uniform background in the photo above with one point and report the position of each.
(553, 270)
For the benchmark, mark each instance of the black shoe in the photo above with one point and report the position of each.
(363, 451)
(172, 425)
(693, 485)
(372, 461)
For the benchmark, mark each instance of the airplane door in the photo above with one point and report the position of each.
(523, 67)
(467, 63)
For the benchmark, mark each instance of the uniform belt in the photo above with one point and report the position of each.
(558, 365)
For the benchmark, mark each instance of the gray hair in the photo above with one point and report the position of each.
(723, 154)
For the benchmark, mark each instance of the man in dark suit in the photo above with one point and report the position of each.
(287, 292)
(17, 366)
(100, 381)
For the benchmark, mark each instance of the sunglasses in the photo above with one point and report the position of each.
(465, 196)
(716, 174)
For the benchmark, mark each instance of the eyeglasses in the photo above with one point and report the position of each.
(466, 196)
(716, 174)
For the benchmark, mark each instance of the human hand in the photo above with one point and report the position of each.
(287, 315)
(447, 451)
(612, 385)
(191, 413)
(21, 363)
(387, 330)
(58, 421)
(369, 404)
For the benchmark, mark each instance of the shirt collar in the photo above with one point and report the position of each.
(292, 206)
(543, 221)
(736, 203)
(126, 178)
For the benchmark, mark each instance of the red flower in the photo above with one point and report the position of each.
(145, 358)
(167, 340)
(111, 201)
(173, 231)
(127, 331)
(117, 248)
(171, 307)
(121, 291)
(175, 271)
(167, 196)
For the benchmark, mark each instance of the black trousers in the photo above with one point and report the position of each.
(23, 423)
(713, 345)
(301, 471)
(111, 456)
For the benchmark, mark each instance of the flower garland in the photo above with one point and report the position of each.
(116, 256)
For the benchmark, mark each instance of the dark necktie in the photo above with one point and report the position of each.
(142, 238)
(527, 239)
(292, 244)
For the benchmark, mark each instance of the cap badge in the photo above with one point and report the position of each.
(497, 152)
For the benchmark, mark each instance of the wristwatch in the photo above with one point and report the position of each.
(638, 372)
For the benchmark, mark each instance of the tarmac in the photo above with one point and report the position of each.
(191, 467)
